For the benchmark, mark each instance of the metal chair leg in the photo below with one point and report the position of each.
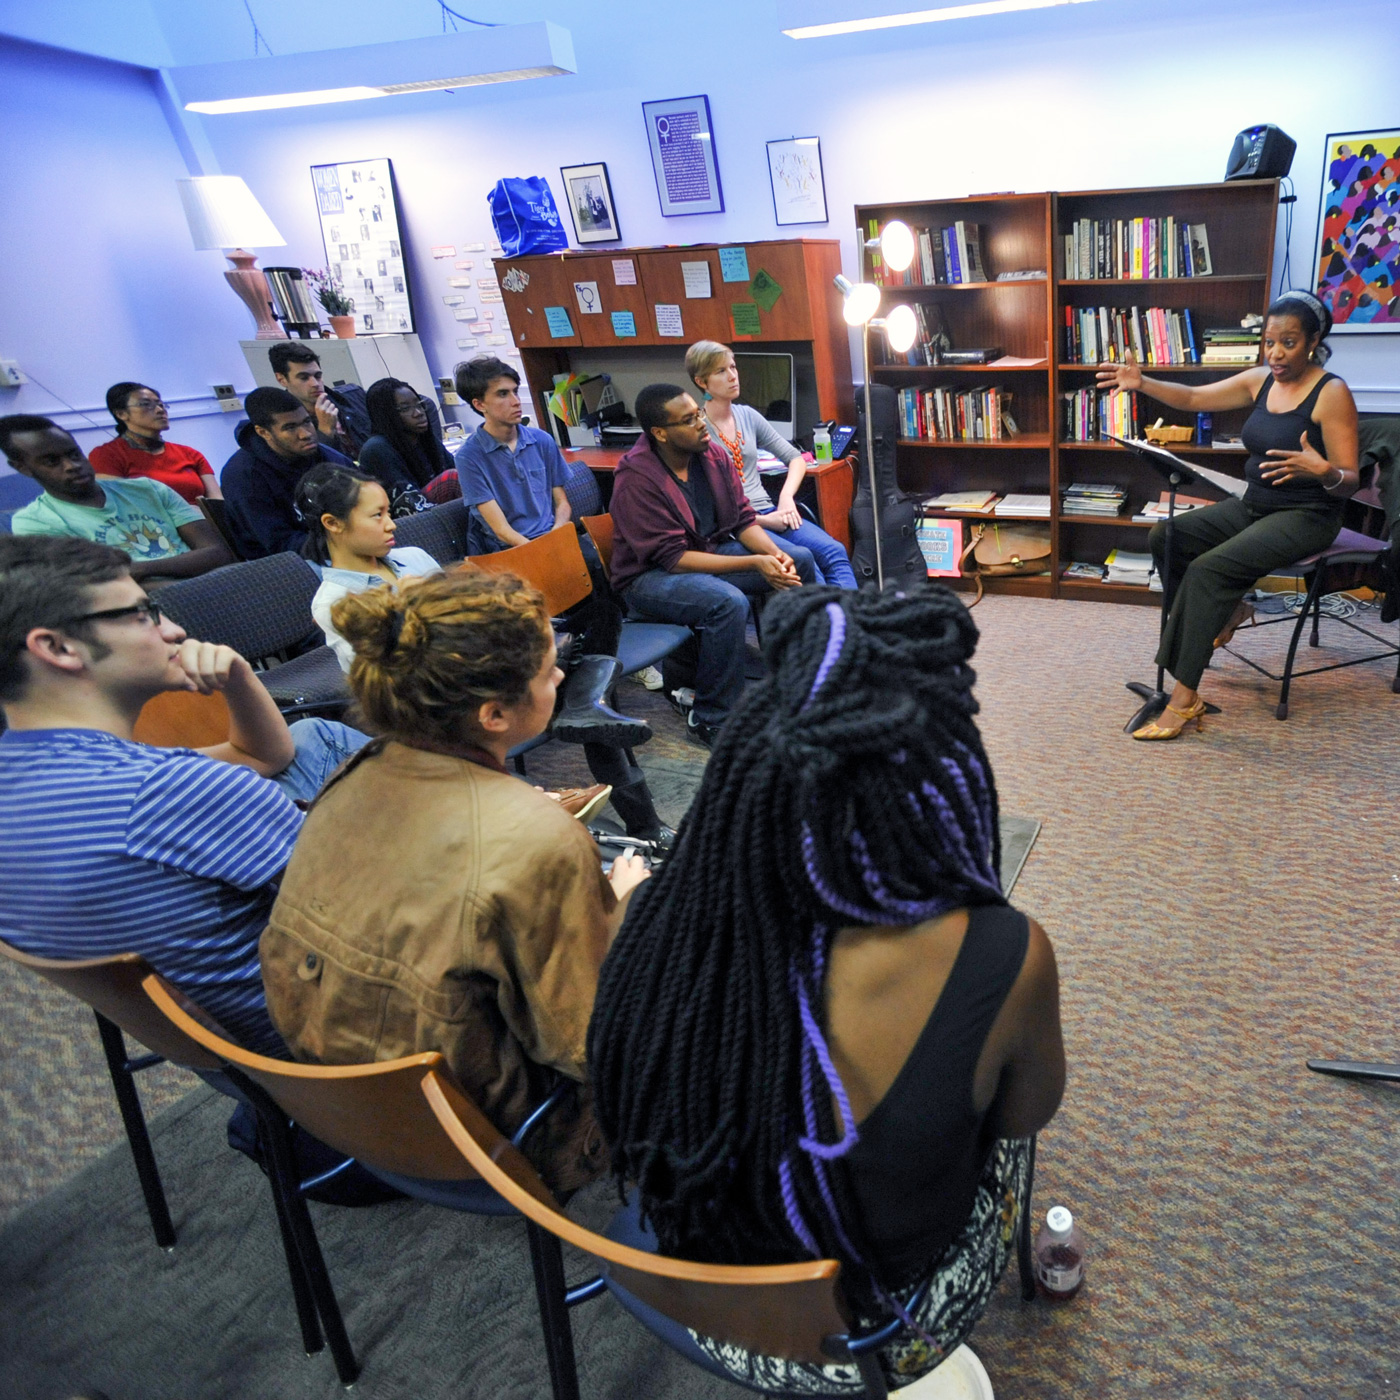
(548, 1260)
(312, 1338)
(1312, 600)
(876, 1387)
(1023, 1233)
(137, 1135)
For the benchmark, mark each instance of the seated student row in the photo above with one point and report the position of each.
(862, 944)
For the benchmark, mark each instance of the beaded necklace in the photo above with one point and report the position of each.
(735, 448)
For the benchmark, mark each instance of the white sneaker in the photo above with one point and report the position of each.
(649, 677)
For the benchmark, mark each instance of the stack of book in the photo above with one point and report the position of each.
(1094, 573)
(1157, 336)
(1132, 248)
(1123, 566)
(1233, 345)
(943, 256)
(1014, 503)
(1083, 498)
(962, 502)
(1153, 511)
(1091, 415)
(971, 415)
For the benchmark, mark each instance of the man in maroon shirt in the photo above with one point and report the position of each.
(687, 548)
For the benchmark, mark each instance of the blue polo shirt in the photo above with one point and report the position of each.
(520, 482)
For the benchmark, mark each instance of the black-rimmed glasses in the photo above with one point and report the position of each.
(148, 609)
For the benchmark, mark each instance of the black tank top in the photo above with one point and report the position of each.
(914, 1171)
(1264, 431)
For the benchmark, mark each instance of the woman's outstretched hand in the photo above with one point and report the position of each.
(1290, 466)
(1125, 376)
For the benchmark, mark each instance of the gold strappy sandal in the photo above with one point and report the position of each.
(1244, 613)
(1159, 731)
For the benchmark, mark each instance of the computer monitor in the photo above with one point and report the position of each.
(767, 382)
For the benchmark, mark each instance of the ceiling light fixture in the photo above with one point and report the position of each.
(970, 11)
(506, 53)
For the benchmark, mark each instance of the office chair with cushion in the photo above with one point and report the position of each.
(262, 609)
(794, 1311)
(441, 531)
(1349, 549)
(215, 511)
(581, 487)
(114, 989)
(377, 1115)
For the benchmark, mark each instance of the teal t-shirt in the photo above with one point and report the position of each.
(142, 517)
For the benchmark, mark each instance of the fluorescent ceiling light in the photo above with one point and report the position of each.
(506, 53)
(971, 11)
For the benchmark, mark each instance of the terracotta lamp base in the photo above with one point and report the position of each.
(248, 281)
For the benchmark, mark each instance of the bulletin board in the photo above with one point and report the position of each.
(359, 213)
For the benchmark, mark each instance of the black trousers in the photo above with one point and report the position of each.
(1218, 553)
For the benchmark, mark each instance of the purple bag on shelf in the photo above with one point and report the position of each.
(525, 217)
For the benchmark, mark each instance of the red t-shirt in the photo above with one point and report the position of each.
(179, 468)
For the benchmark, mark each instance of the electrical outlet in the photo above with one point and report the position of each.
(228, 401)
(11, 375)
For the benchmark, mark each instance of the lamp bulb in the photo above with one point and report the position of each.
(861, 303)
(897, 245)
(900, 328)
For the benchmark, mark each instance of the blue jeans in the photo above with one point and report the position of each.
(833, 563)
(322, 746)
(716, 608)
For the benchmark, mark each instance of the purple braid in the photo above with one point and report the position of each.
(791, 1209)
(976, 871)
(981, 819)
(834, 641)
(827, 895)
(905, 908)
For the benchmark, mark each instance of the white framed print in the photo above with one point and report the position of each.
(799, 188)
(589, 195)
(682, 142)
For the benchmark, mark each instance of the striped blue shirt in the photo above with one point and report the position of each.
(108, 846)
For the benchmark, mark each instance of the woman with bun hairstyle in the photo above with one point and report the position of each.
(433, 900)
(1302, 466)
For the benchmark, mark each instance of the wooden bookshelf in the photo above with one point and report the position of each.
(1024, 233)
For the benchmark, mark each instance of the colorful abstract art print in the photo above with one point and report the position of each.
(1357, 261)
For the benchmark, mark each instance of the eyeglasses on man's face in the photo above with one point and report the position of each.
(691, 420)
(146, 608)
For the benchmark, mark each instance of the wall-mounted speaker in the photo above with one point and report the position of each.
(1260, 153)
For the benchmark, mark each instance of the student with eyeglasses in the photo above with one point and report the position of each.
(111, 846)
(140, 449)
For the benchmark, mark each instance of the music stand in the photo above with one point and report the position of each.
(1176, 473)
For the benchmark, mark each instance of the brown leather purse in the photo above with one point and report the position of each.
(998, 550)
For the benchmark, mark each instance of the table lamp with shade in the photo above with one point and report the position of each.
(860, 301)
(222, 213)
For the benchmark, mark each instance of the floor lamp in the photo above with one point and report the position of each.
(859, 303)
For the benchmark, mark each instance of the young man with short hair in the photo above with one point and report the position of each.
(277, 446)
(687, 547)
(110, 846)
(341, 414)
(164, 536)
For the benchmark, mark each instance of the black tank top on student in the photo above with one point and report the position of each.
(1264, 431)
(915, 1169)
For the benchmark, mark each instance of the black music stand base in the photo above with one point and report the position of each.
(1154, 702)
(1357, 1069)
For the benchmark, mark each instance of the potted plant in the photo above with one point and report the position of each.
(339, 307)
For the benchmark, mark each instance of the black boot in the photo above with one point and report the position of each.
(585, 717)
(634, 805)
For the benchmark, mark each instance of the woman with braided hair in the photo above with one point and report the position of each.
(821, 1031)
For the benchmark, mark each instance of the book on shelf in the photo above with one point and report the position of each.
(1094, 573)
(1085, 498)
(1092, 415)
(979, 414)
(1129, 249)
(1128, 566)
(971, 357)
(943, 257)
(1158, 335)
(1023, 503)
(941, 544)
(963, 502)
(1153, 511)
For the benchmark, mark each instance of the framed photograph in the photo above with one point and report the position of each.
(590, 199)
(795, 171)
(1356, 255)
(682, 144)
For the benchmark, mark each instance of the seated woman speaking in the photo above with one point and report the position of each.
(822, 1031)
(433, 901)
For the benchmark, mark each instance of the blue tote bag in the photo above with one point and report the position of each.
(525, 217)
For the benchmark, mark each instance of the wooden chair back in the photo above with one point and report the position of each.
(779, 1310)
(375, 1113)
(114, 987)
(553, 563)
(599, 529)
(183, 719)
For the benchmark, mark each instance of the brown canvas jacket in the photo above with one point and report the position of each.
(432, 903)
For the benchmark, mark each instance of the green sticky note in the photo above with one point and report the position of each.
(745, 316)
(765, 290)
(557, 319)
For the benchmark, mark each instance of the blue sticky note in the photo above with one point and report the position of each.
(734, 264)
(624, 323)
(559, 324)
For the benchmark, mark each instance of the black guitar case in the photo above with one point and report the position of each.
(899, 546)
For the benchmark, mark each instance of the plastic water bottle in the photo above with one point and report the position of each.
(1059, 1255)
(821, 445)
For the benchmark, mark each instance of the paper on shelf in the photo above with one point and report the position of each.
(557, 318)
(668, 319)
(624, 272)
(624, 323)
(590, 303)
(697, 279)
(734, 264)
(745, 316)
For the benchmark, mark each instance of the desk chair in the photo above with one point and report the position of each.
(215, 511)
(377, 1115)
(441, 531)
(183, 719)
(794, 1311)
(1350, 548)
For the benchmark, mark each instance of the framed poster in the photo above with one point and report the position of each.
(795, 172)
(1356, 255)
(590, 198)
(682, 144)
(359, 213)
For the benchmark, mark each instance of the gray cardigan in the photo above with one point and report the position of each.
(755, 432)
